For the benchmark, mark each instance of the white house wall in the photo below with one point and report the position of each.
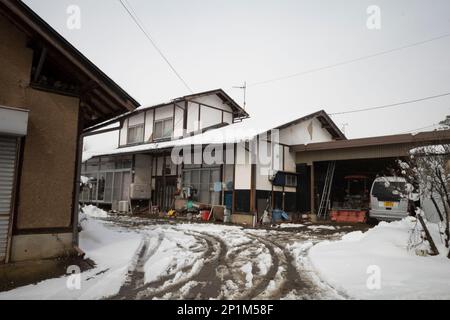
(227, 118)
(213, 100)
(164, 113)
(209, 117)
(123, 133)
(192, 118)
(243, 169)
(179, 117)
(300, 133)
(136, 120)
(148, 125)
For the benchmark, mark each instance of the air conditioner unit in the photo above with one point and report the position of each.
(140, 191)
(123, 206)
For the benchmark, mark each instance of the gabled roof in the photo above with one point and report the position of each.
(223, 96)
(237, 109)
(324, 119)
(114, 100)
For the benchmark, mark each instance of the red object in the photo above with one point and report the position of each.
(353, 216)
(205, 215)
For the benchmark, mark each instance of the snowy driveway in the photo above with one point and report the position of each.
(207, 261)
(139, 258)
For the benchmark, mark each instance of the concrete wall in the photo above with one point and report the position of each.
(48, 168)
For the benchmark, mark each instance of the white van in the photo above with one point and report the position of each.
(386, 203)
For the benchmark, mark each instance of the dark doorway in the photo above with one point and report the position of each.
(304, 188)
(165, 194)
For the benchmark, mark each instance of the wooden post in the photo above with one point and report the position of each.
(313, 197)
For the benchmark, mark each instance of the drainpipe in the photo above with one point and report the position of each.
(76, 202)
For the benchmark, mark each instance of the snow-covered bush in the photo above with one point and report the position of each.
(427, 172)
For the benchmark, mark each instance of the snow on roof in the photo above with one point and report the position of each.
(233, 133)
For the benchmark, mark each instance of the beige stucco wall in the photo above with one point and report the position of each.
(48, 169)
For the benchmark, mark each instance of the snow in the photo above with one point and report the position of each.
(291, 225)
(94, 212)
(247, 269)
(321, 227)
(353, 262)
(111, 249)
(171, 255)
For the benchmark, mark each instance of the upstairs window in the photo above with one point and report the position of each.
(135, 134)
(163, 129)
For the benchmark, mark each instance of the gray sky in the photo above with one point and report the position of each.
(220, 44)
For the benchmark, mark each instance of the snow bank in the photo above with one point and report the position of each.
(353, 262)
(94, 212)
(110, 248)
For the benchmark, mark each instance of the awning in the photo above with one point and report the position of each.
(13, 121)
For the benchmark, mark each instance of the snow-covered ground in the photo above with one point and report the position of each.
(111, 248)
(378, 265)
(137, 258)
(146, 259)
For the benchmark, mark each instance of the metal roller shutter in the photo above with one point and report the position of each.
(8, 151)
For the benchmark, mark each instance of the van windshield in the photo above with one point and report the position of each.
(388, 193)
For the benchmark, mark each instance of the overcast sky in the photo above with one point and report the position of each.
(221, 44)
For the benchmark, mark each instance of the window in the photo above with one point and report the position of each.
(163, 129)
(291, 180)
(285, 179)
(135, 134)
(204, 181)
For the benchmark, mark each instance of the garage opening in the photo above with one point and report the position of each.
(352, 181)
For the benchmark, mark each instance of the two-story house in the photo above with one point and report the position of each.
(204, 141)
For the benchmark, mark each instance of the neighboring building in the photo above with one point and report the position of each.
(49, 93)
(211, 120)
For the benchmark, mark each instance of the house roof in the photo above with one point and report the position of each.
(239, 111)
(430, 137)
(324, 119)
(107, 98)
(233, 133)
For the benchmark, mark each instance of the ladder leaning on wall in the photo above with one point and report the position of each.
(325, 200)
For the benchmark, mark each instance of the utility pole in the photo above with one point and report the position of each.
(244, 87)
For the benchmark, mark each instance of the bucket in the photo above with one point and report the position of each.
(205, 215)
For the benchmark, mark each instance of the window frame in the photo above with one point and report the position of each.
(140, 139)
(163, 121)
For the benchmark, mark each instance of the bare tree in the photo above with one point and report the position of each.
(428, 171)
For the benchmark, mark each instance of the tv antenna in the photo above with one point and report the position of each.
(244, 87)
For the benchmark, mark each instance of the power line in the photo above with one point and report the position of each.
(141, 26)
(301, 73)
(414, 130)
(390, 105)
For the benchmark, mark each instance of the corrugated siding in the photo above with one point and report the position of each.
(7, 164)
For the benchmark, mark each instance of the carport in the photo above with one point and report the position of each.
(371, 157)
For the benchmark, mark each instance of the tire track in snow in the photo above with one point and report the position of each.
(136, 273)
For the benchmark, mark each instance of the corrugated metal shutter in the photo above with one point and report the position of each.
(8, 151)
